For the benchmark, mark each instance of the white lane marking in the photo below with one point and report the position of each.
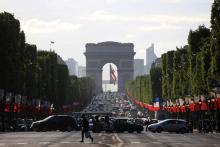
(135, 142)
(2, 144)
(65, 142)
(119, 139)
(156, 142)
(113, 138)
(21, 143)
(111, 145)
(87, 142)
(44, 142)
(150, 134)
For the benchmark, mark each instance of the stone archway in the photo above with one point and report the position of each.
(121, 54)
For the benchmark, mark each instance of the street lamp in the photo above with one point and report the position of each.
(51, 42)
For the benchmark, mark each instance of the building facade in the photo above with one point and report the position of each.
(72, 66)
(150, 58)
(138, 67)
(81, 71)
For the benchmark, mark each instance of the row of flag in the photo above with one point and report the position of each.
(181, 105)
(192, 107)
(19, 103)
(154, 107)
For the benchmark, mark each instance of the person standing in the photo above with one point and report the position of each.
(85, 128)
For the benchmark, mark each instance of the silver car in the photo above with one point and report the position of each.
(169, 125)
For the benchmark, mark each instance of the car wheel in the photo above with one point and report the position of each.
(138, 131)
(159, 130)
(36, 129)
(69, 128)
(182, 130)
(130, 131)
(44, 129)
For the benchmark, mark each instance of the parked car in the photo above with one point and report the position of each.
(20, 125)
(100, 125)
(149, 122)
(139, 121)
(55, 122)
(153, 121)
(126, 124)
(169, 125)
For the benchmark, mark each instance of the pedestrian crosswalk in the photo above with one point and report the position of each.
(145, 139)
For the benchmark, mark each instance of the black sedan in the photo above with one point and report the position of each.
(55, 122)
(126, 124)
(169, 125)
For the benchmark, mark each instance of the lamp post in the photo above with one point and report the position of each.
(51, 42)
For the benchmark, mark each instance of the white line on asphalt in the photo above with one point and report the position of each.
(135, 142)
(183, 135)
(21, 143)
(113, 138)
(99, 142)
(150, 134)
(119, 139)
(156, 142)
(65, 142)
(109, 145)
(2, 144)
(53, 145)
(44, 142)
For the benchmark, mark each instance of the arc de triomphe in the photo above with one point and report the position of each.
(121, 54)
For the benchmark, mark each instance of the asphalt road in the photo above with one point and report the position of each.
(145, 139)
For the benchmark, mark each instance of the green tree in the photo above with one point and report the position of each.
(11, 45)
(156, 81)
(30, 70)
(196, 40)
(215, 43)
(169, 72)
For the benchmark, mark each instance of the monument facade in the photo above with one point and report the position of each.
(121, 54)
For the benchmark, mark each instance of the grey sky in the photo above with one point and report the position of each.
(73, 23)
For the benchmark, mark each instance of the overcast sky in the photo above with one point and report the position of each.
(73, 23)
